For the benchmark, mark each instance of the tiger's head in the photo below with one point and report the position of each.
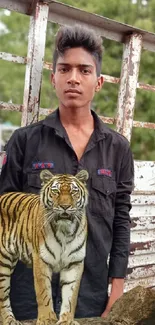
(64, 195)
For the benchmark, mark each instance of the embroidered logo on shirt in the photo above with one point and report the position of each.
(43, 165)
(106, 172)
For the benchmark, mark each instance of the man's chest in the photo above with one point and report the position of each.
(79, 140)
(58, 156)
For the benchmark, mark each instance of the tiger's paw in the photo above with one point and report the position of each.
(66, 319)
(11, 321)
(50, 320)
(72, 322)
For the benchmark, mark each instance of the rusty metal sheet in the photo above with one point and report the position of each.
(34, 68)
(145, 282)
(141, 272)
(128, 84)
(145, 176)
(145, 221)
(143, 207)
(141, 267)
(140, 259)
(144, 235)
(141, 249)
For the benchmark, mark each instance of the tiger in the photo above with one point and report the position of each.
(49, 232)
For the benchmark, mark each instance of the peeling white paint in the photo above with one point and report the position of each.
(128, 84)
(35, 60)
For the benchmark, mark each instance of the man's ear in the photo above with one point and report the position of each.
(100, 82)
(53, 79)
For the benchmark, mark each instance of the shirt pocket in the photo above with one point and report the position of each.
(102, 196)
(33, 182)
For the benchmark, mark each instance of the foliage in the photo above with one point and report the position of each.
(14, 39)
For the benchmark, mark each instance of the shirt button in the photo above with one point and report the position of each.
(107, 191)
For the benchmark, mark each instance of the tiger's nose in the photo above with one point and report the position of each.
(64, 206)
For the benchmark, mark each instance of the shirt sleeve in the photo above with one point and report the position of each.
(121, 226)
(11, 174)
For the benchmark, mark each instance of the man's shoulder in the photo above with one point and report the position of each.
(30, 127)
(25, 133)
(49, 121)
(114, 137)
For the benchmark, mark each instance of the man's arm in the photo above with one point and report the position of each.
(11, 174)
(117, 287)
(121, 230)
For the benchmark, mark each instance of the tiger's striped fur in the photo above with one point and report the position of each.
(48, 231)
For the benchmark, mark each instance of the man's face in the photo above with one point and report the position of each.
(75, 79)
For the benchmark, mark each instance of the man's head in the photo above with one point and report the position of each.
(77, 64)
(78, 36)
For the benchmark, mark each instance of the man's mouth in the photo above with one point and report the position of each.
(72, 91)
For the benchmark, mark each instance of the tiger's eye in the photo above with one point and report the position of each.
(55, 190)
(75, 191)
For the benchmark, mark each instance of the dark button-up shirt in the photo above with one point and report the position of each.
(108, 160)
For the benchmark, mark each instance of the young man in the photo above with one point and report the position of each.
(70, 139)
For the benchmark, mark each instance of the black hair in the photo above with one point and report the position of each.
(78, 36)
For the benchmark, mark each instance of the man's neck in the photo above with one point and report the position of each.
(77, 118)
(79, 125)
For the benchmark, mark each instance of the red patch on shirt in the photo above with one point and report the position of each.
(103, 171)
(43, 165)
(4, 159)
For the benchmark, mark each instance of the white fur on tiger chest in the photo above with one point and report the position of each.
(62, 254)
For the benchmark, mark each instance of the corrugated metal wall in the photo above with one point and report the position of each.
(141, 268)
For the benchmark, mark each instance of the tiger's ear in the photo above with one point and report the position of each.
(45, 176)
(82, 176)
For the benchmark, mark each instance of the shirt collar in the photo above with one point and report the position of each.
(53, 121)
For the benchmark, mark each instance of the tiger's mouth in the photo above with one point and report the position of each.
(64, 216)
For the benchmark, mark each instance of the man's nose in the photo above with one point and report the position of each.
(74, 77)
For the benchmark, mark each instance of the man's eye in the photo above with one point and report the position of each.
(63, 70)
(86, 71)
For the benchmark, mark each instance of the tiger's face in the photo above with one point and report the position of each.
(65, 195)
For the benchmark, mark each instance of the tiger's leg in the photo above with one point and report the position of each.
(42, 281)
(70, 282)
(7, 265)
